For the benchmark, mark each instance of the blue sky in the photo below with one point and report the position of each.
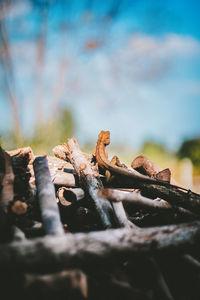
(141, 80)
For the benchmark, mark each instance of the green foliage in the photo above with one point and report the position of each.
(66, 125)
(157, 153)
(191, 149)
(46, 135)
(153, 148)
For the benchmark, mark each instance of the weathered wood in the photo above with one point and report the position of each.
(102, 159)
(118, 207)
(133, 179)
(68, 284)
(53, 253)
(61, 172)
(60, 152)
(69, 195)
(161, 288)
(145, 166)
(21, 152)
(136, 199)
(46, 195)
(6, 194)
(175, 196)
(64, 179)
(90, 182)
(7, 190)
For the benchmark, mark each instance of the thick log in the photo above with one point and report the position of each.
(53, 253)
(47, 198)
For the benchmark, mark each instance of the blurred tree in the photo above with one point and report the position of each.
(153, 148)
(7, 74)
(56, 35)
(191, 149)
(66, 124)
(47, 135)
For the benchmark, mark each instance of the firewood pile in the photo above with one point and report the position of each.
(80, 226)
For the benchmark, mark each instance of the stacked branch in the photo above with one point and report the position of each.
(81, 226)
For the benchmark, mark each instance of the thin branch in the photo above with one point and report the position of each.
(46, 195)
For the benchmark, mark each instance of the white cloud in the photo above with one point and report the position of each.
(170, 45)
(146, 57)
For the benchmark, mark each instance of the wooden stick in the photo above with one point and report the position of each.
(145, 166)
(137, 180)
(118, 206)
(74, 250)
(90, 182)
(102, 159)
(136, 198)
(7, 191)
(194, 263)
(68, 284)
(161, 288)
(21, 152)
(121, 216)
(69, 195)
(64, 179)
(46, 195)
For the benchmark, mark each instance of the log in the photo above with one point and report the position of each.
(103, 162)
(145, 166)
(69, 195)
(6, 194)
(89, 180)
(68, 284)
(64, 179)
(7, 183)
(47, 198)
(53, 253)
(133, 179)
(61, 172)
(136, 199)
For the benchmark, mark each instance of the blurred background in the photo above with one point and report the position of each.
(76, 67)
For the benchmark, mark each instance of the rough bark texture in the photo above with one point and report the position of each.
(55, 253)
(90, 181)
(46, 195)
(135, 198)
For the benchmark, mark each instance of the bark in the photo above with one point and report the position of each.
(53, 253)
(68, 196)
(64, 179)
(102, 159)
(46, 195)
(90, 182)
(7, 182)
(136, 199)
(145, 166)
